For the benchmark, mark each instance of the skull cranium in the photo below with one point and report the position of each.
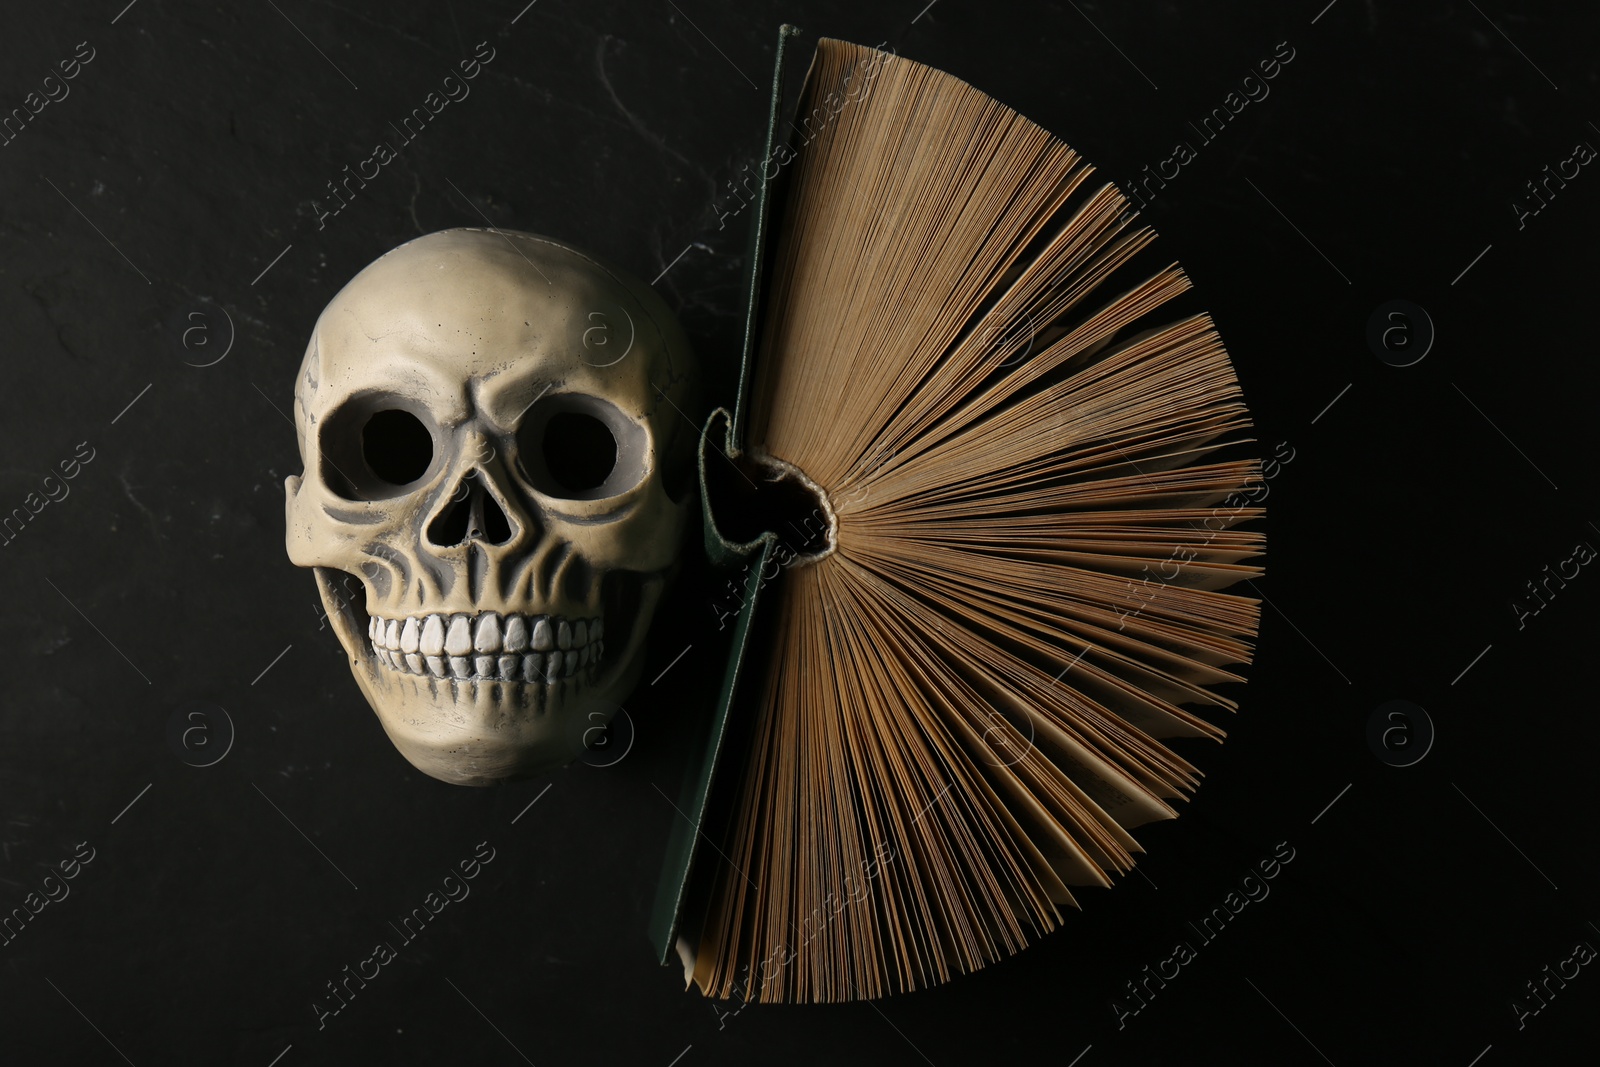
(496, 431)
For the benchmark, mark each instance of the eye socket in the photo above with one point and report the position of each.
(579, 451)
(396, 446)
(575, 446)
(376, 446)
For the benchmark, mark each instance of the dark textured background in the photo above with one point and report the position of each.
(186, 160)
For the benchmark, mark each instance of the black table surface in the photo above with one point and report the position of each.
(167, 239)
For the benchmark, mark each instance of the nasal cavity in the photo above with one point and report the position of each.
(472, 514)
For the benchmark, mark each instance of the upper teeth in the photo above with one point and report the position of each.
(488, 645)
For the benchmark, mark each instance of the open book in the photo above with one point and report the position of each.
(985, 487)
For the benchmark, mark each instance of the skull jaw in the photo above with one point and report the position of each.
(479, 734)
(484, 738)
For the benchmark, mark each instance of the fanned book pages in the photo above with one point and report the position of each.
(1023, 474)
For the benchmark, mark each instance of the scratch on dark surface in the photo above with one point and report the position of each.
(127, 490)
(14, 823)
(389, 26)
(634, 120)
(45, 306)
(416, 191)
(450, 7)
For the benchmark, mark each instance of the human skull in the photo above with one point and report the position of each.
(497, 435)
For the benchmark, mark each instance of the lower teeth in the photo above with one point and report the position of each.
(529, 668)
